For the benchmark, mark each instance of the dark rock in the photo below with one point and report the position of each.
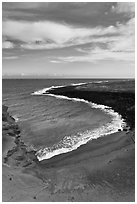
(10, 152)
(17, 140)
(6, 116)
(19, 155)
(4, 108)
(11, 132)
(17, 132)
(121, 101)
(119, 130)
(72, 198)
(27, 164)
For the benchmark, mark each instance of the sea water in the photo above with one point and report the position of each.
(53, 124)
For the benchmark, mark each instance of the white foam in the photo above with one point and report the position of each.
(99, 82)
(43, 91)
(79, 84)
(70, 143)
(16, 118)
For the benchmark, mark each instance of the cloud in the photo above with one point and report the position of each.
(7, 45)
(99, 55)
(50, 35)
(55, 61)
(10, 58)
(36, 31)
(124, 7)
(86, 13)
(119, 47)
(118, 40)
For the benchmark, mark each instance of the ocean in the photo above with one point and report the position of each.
(52, 124)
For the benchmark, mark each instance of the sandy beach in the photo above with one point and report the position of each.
(92, 173)
(100, 171)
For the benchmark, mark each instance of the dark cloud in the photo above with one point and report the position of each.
(88, 14)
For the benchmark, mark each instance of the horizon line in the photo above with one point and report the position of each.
(67, 77)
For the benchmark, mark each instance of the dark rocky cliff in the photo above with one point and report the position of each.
(20, 155)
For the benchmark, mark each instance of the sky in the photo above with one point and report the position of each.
(68, 39)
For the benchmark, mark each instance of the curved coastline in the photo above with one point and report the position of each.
(70, 143)
(100, 171)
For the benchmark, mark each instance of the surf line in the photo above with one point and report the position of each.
(70, 143)
(44, 91)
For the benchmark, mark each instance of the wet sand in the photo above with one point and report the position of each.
(103, 170)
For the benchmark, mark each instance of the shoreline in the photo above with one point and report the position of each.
(70, 93)
(100, 170)
(112, 98)
(116, 124)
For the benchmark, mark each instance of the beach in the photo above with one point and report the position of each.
(102, 170)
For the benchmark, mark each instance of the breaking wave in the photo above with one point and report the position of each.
(43, 91)
(70, 143)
